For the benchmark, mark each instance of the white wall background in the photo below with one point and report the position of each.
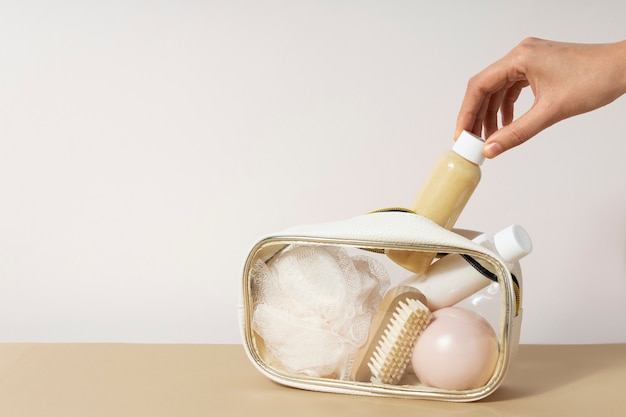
(145, 145)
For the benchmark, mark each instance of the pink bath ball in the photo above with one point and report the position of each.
(457, 351)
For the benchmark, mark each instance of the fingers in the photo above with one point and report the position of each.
(485, 120)
(469, 117)
(483, 97)
(480, 117)
(490, 122)
(517, 132)
(476, 102)
(508, 101)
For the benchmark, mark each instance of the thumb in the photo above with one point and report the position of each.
(519, 131)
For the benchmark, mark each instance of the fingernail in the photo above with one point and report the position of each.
(492, 149)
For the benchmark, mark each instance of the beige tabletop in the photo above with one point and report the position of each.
(85, 380)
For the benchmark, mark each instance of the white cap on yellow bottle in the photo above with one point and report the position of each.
(470, 147)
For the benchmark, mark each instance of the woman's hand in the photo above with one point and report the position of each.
(566, 79)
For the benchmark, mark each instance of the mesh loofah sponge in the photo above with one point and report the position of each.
(314, 305)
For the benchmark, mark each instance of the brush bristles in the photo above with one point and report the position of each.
(391, 357)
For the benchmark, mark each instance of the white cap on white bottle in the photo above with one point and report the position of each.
(470, 147)
(512, 243)
(452, 278)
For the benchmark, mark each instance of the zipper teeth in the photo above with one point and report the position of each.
(401, 209)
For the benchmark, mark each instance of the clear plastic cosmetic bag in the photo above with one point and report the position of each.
(323, 307)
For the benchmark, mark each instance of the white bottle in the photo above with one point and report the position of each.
(452, 278)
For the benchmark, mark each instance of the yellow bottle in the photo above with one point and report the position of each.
(445, 193)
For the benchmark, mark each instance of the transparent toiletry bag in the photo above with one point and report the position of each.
(325, 308)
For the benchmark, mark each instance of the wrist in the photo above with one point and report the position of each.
(619, 59)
